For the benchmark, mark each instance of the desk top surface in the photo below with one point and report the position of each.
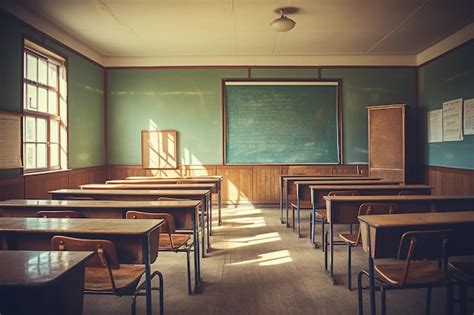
(396, 198)
(369, 187)
(326, 178)
(149, 186)
(36, 268)
(79, 226)
(347, 182)
(418, 219)
(102, 204)
(209, 179)
(125, 192)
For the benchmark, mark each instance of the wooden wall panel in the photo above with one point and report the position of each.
(450, 181)
(241, 184)
(37, 186)
(12, 188)
(88, 175)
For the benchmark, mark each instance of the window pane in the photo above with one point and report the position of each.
(30, 127)
(31, 64)
(43, 71)
(54, 131)
(42, 100)
(31, 97)
(53, 102)
(53, 75)
(42, 156)
(30, 153)
(41, 130)
(54, 154)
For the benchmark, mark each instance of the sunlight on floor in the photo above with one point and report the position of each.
(247, 241)
(268, 259)
(244, 223)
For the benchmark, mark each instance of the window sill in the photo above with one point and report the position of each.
(46, 172)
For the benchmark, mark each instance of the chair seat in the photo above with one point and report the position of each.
(350, 239)
(322, 213)
(420, 272)
(303, 205)
(179, 240)
(126, 278)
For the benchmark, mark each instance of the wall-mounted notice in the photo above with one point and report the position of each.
(435, 126)
(452, 120)
(469, 116)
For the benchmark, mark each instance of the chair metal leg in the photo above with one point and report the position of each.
(384, 300)
(162, 291)
(349, 269)
(134, 305)
(359, 293)
(293, 217)
(188, 263)
(323, 235)
(325, 250)
(428, 301)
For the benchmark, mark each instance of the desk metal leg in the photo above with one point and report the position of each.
(287, 204)
(209, 222)
(329, 272)
(203, 229)
(146, 256)
(210, 213)
(371, 282)
(219, 197)
(298, 214)
(197, 263)
(281, 204)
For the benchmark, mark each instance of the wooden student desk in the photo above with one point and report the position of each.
(286, 185)
(42, 282)
(136, 240)
(319, 191)
(304, 193)
(148, 186)
(202, 195)
(381, 235)
(345, 209)
(216, 180)
(185, 214)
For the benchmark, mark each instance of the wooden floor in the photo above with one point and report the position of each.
(258, 266)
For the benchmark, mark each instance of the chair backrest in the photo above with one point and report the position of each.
(370, 208)
(169, 226)
(106, 253)
(408, 192)
(58, 214)
(423, 245)
(344, 193)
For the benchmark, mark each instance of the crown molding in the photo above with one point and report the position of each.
(454, 40)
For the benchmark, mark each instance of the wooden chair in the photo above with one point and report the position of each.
(179, 199)
(323, 215)
(354, 240)
(462, 274)
(104, 274)
(425, 260)
(58, 214)
(169, 240)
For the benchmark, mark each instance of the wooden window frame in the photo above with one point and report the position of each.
(32, 49)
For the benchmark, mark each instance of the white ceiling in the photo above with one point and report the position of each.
(150, 28)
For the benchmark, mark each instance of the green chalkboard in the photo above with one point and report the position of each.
(281, 123)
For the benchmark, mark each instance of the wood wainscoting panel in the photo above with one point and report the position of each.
(38, 185)
(123, 171)
(265, 184)
(12, 188)
(237, 183)
(450, 181)
(89, 175)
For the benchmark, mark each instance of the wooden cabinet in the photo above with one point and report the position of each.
(387, 142)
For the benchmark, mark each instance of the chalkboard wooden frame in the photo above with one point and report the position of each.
(340, 147)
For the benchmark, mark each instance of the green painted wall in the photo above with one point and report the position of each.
(187, 100)
(85, 92)
(449, 77)
(372, 86)
(294, 73)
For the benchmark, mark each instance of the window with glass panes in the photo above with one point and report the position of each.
(44, 111)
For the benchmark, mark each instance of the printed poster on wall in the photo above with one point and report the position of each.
(435, 126)
(469, 117)
(452, 120)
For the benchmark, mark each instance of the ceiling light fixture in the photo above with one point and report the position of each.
(282, 24)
